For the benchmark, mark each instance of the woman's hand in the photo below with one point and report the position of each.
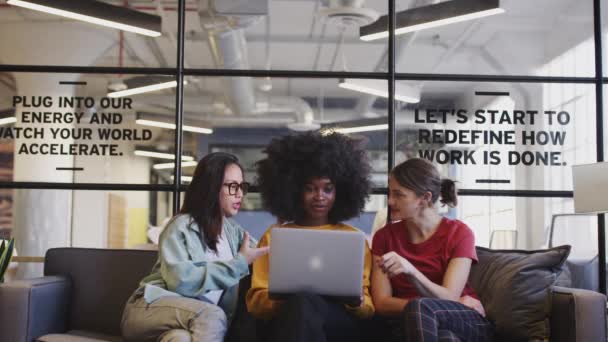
(355, 305)
(473, 303)
(394, 264)
(249, 253)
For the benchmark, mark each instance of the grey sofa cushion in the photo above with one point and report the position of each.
(79, 336)
(515, 289)
(102, 281)
(577, 315)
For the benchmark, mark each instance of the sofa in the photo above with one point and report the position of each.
(81, 296)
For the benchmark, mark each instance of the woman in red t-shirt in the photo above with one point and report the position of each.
(422, 261)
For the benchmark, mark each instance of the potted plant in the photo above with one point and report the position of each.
(6, 253)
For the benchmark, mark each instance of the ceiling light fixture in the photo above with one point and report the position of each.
(356, 126)
(167, 166)
(172, 126)
(403, 92)
(145, 84)
(97, 12)
(160, 155)
(8, 121)
(7, 116)
(184, 178)
(424, 17)
(162, 121)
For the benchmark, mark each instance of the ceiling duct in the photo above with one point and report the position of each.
(224, 21)
(304, 116)
(270, 111)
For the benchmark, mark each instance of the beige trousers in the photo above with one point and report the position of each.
(173, 319)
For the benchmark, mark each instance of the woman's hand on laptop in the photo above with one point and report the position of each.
(394, 264)
(249, 253)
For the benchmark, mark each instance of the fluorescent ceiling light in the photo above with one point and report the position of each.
(356, 126)
(367, 128)
(167, 166)
(144, 89)
(8, 121)
(7, 116)
(184, 178)
(403, 92)
(424, 17)
(172, 126)
(162, 121)
(97, 12)
(160, 155)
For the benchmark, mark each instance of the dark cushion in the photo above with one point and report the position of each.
(515, 289)
(102, 281)
(243, 325)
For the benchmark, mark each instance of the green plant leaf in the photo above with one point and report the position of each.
(5, 258)
(2, 248)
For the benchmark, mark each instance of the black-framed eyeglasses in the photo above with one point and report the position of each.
(233, 188)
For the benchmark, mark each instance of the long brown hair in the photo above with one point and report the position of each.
(202, 200)
(420, 176)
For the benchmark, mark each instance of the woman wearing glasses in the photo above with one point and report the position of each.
(191, 292)
(311, 181)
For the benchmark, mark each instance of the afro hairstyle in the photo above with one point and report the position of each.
(293, 160)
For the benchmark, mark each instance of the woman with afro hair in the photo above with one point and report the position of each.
(311, 181)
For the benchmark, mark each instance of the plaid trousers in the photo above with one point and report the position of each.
(430, 319)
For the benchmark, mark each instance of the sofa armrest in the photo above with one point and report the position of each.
(577, 315)
(34, 307)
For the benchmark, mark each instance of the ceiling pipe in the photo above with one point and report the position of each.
(233, 49)
(266, 84)
(228, 47)
(160, 11)
(320, 38)
(293, 111)
(303, 114)
(226, 39)
(338, 50)
(314, 19)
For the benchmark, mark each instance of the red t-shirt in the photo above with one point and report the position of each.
(453, 239)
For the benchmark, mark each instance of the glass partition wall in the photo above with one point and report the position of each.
(100, 129)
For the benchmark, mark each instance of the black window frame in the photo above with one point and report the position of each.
(390, 76)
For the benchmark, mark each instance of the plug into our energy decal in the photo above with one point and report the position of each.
(72, 125)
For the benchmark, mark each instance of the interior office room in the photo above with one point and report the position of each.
(505, 104)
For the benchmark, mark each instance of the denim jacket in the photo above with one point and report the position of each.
(182, 268)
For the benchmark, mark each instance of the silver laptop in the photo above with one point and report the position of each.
(328, 263)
